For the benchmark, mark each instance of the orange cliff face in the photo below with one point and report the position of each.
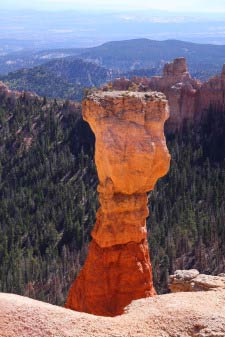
(130, 155)
(180, 90)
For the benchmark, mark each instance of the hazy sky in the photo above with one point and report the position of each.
(172, 5)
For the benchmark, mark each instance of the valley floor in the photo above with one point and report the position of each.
(196, 314)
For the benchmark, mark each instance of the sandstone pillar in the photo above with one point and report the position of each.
(130, 155)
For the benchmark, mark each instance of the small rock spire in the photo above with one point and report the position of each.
(175, 68)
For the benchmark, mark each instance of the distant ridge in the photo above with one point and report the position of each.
(126, 55)
(142, 53)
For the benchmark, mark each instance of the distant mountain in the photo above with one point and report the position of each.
(145, 53)
(128, 55)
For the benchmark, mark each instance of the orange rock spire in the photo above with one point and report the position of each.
(130, 155)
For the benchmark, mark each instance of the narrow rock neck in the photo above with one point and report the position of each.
(120, 219)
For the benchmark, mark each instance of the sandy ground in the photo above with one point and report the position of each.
(196, 314)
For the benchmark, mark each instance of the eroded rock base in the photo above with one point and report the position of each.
(111, 278)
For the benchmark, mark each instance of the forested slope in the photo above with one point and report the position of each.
(61, 78)
(187, 208)
(47, 197)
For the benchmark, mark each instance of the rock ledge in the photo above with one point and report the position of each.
(192, 280)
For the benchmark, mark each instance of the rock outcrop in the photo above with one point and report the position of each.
(180, 90)
(211, 93)
(188, 98)
(192, 280)
(13, 95)
(130, 156)
(176, 68)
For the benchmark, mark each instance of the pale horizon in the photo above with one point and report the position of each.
(202, 6)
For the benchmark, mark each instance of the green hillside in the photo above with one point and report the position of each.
(62, 78)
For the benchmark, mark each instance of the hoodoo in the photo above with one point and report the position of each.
(130, 155)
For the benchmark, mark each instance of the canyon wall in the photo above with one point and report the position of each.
(212, 93)
(130, 155)
(188, 98)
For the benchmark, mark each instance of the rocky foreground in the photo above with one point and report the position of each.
(196, 314)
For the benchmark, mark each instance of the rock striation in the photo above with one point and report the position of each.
(130, 155)
(188, 98)
(192, 280)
